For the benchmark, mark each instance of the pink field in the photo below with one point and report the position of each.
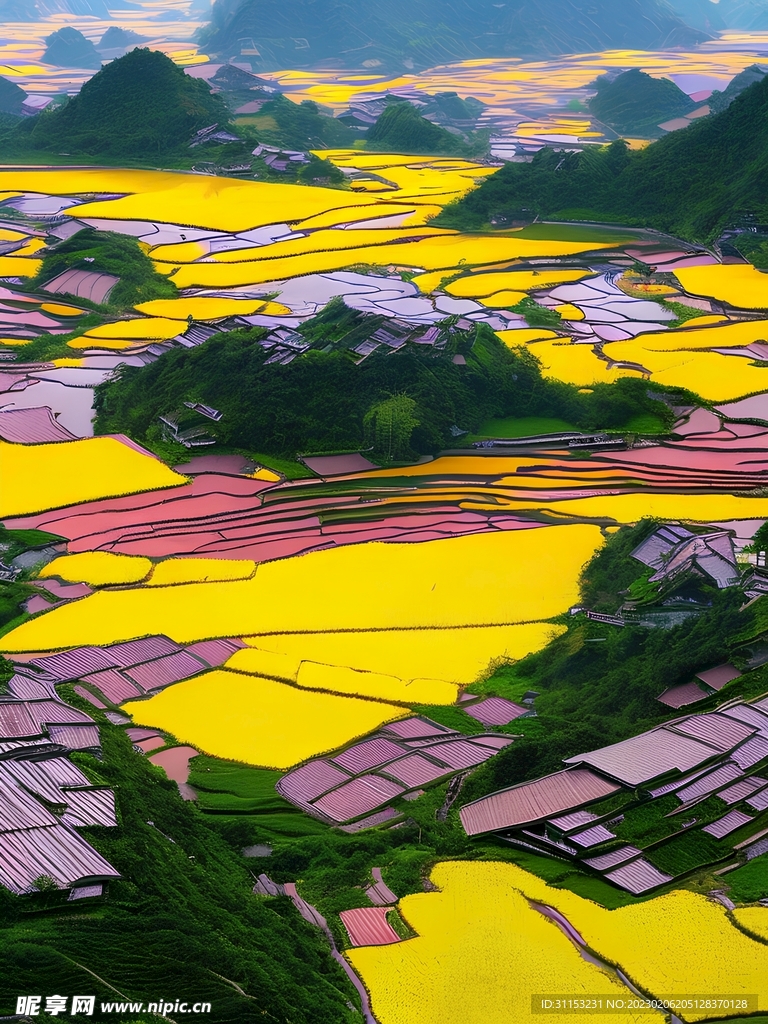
(368, 754)
(310, 781)
(75, 736)
(86, 695)
(496, 711)
(175, 762)
(32, 426)
(416, 728)
(113, 685)
(415, 770)
(154, 675)
(150, 744)
(368, 926)
(338, 465)
(459, 754)
(358, 797)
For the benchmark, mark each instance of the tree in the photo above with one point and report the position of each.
(389, 425)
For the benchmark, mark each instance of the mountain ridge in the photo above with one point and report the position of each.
(421, 33)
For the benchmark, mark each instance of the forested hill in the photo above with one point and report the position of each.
(322, 401)
(691, 183)
(141, 105)
(422, 33)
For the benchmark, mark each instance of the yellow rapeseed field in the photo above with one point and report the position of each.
(755, 919)
(569, 312)
(459, 655)
(738, 284)
(430, 253)
(483, 579)
(202, 307)
(525, 335)
(479, 955)
(98, 568)
(19, 266)
(502, 299)
(200, 570)
(42, 476)
(574, 364)
(461, 466)
(416, 177)
(630, 508)
(337, 679)
(708, 955)
(363, 214)
(258, 721)
(474, 286)
(150, 328)
(257, 661)
(709, 318)
(730, 334)
(330, 239)
(225, 204)
(59, 309)
(716, 377)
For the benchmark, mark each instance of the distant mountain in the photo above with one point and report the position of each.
(11, 97)
(140, 106)
(701, 14)
(747, 15)
(636, 103)
(69, 48)
(718, 101)
(692, 183)
(422, 33)
(115, 36)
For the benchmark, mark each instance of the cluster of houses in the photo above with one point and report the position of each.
(628, 811)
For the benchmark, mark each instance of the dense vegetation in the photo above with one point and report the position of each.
(108, 253)
(319, 402)
(636, 103)
(141, 106)
(720, 100)
(182, 920)
(692, 183)
(401, 129)
(300, 126)
(13, 593)
(11, 97)
(749, 883)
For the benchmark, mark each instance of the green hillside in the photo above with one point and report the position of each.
(11, 97)
(301, 126)
(636, 104)
(402, 129)
(692, 183)
(183, 915)
(141, 106)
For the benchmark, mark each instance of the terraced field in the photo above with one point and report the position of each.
(330, 644)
